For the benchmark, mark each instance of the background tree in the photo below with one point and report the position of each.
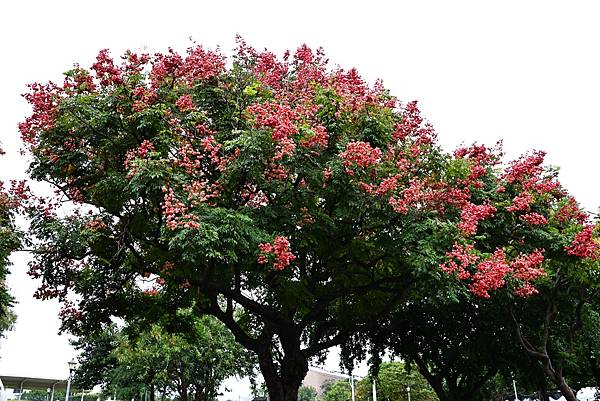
(337, 391)
(9, 241)
(586, 372)
(44, 395)
(295, 203)
(457, 345)
(191, 365)
(307, 394)
(96, 358)
(549, 328)
(392, 380)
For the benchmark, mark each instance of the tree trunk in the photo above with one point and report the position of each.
(566, 391)
(558, 379)
(283, 385)
(544, 394)
(183, 391)
(201, 392)
(434, 381)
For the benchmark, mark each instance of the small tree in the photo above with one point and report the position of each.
(192, 365)
(392, 382)
(338, 391)
(307, 394)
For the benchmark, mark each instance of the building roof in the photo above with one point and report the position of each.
(32, 383)
(316, 377)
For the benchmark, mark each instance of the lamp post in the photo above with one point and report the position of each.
(72, 364)
(408, 392)
(374, 391)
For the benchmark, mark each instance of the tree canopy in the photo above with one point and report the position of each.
(294, 202)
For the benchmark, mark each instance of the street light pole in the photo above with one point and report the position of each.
(408, 392)
(374, 391)
(352, 385)
(71, 369)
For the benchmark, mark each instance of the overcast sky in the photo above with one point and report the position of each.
(527, 72)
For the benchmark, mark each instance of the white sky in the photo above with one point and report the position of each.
(525, 71)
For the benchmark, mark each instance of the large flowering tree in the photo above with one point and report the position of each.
(294, 202)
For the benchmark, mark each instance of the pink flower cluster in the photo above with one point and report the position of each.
(310, 72)
(96, 225)
(81, 81)
(327, 175)
(389, 184)
(44, 101)
(201, 191)
(69, 311)
(490, 274)
(281, 119)
(318, 139)
(199, 64)
(411, 196)
(525, 167)
(144, 97)
(106, 70)
(18, 193)
(276, 172)
(570, 210)
(585, 245)
(528, 267)
(270, 71)
(472, 214)
(140, 153)
(254, 198)
(411, 126)
(521, 202)
(134, 63)
(356, 93)
(535, 219)
(480, 153)
(145, 147)
(525, 290)
(461, 258)
(185, 103)
(280, 248)
(175, 212)
(192, 159)
(360, 154)
(151, 291)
